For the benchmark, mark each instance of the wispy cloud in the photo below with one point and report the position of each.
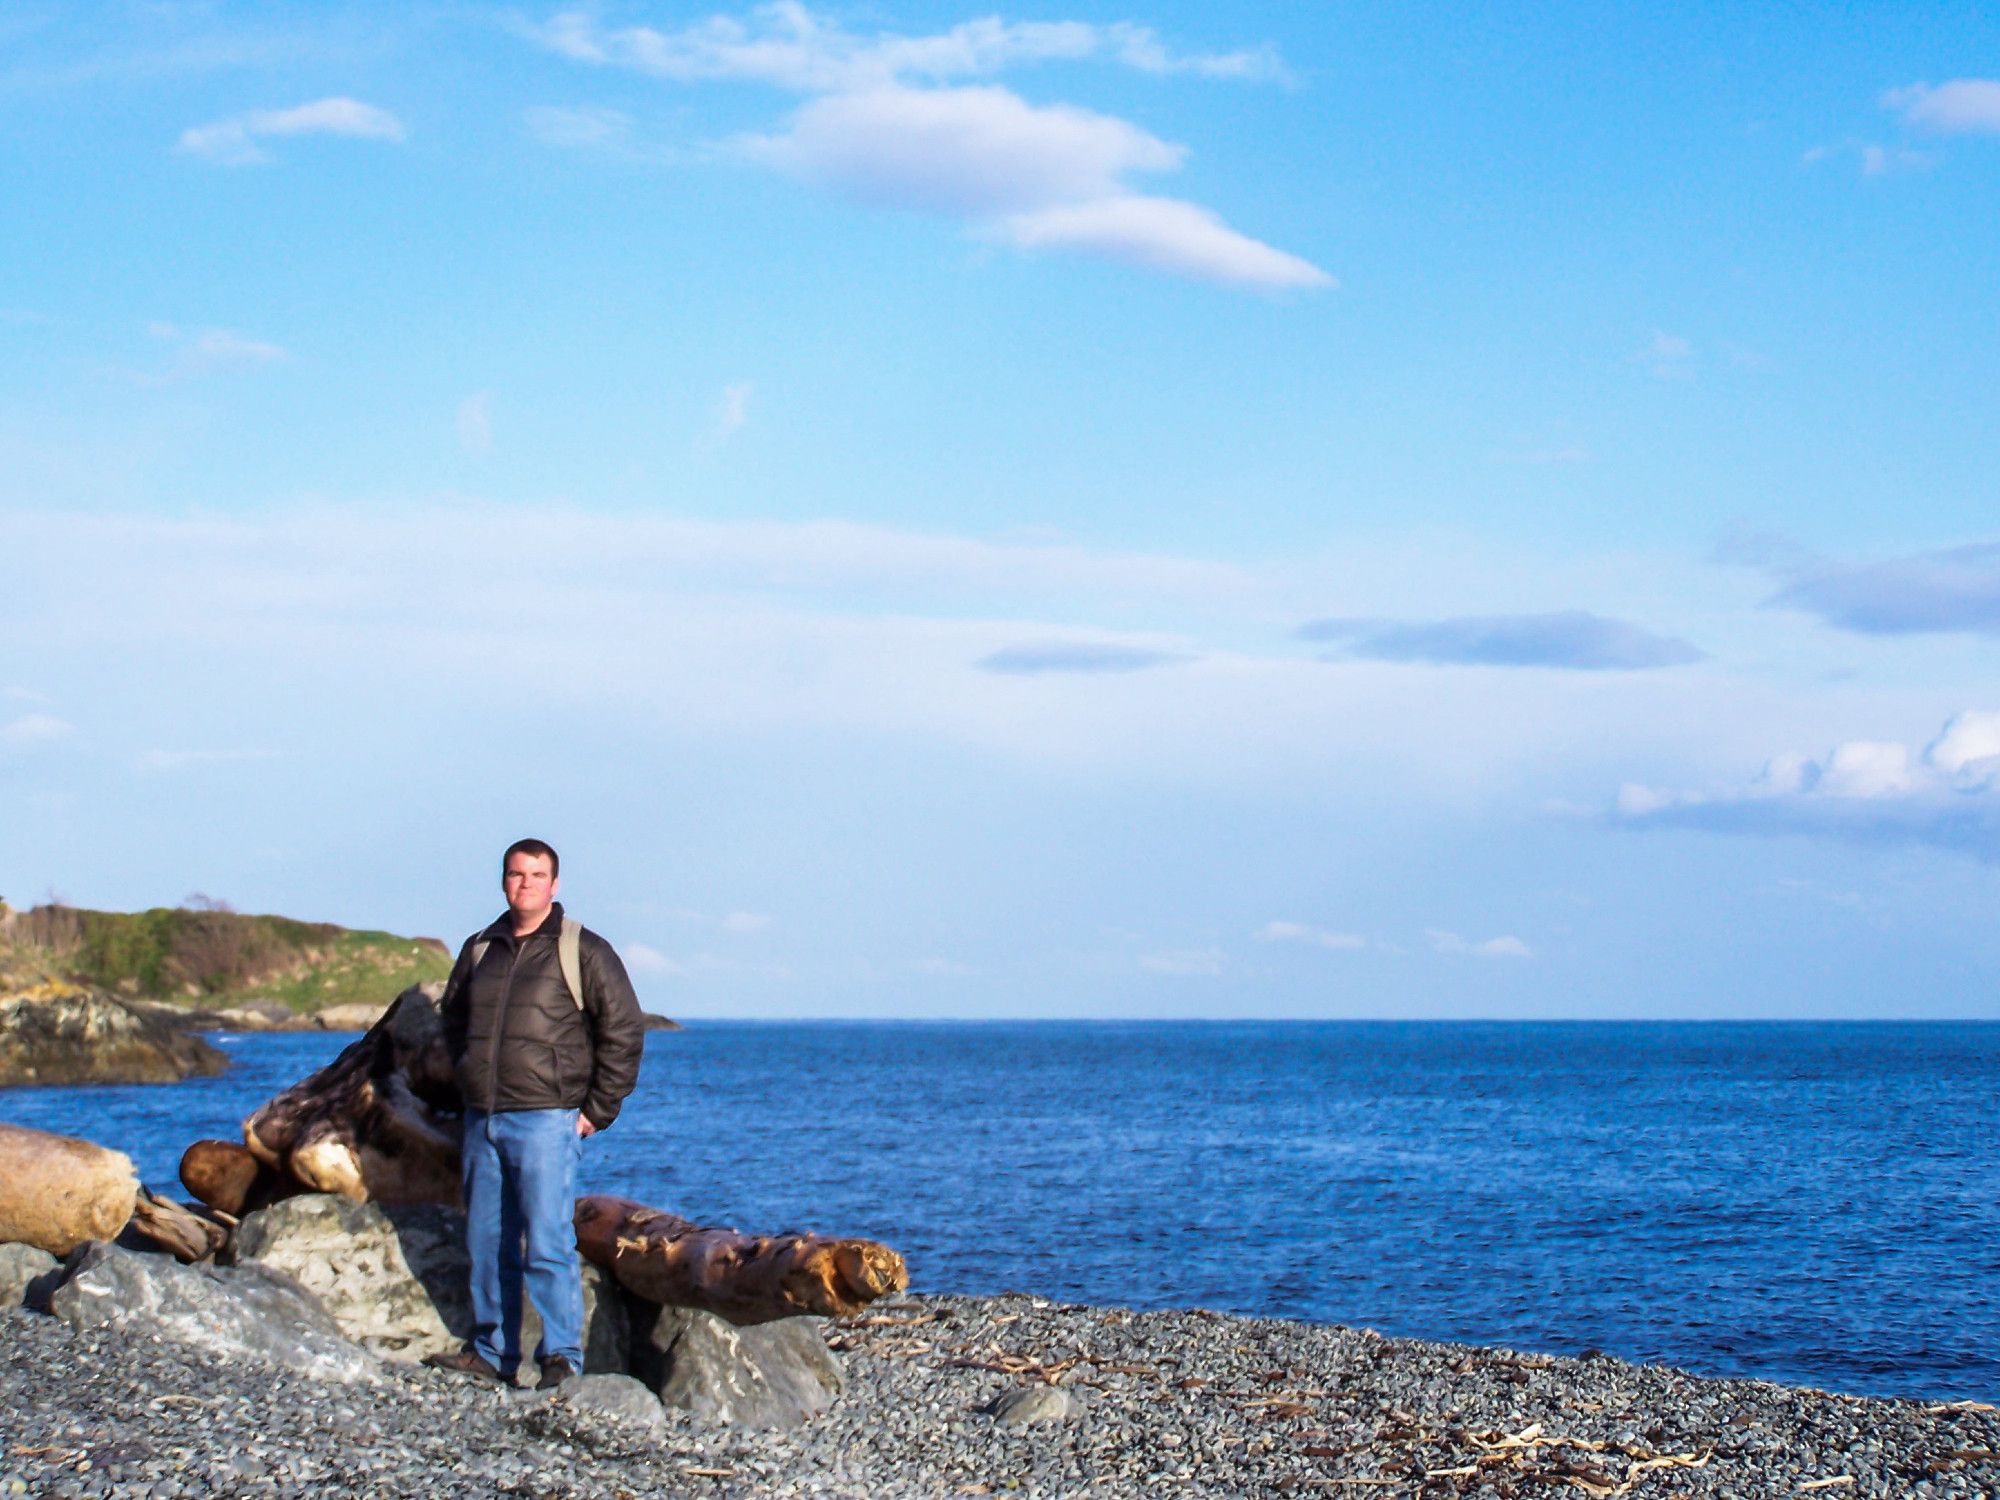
(892, 122)
(579, 128)
(1185, 963)
(1505, 946)
(732, 409)
(1871, 158)
(1667, 356)
(1312, 937)
(35, 729)
(474, 423)
(1571, 639)
(790, 46)
(166, 762)
(1077, 656)
(645, 959)
(199, 352)
(233, 142)
(1951, 589)
(744, 923)
(1962, 106)
(1863, 791)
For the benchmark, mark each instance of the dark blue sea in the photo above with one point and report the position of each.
(1818, 1204)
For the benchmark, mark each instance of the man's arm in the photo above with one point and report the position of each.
(619, 1033)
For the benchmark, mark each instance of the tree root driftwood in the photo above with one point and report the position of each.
(743, 1278)
(381, 1121)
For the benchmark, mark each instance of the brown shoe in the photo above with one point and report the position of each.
(467, 1361)
(555, 1370)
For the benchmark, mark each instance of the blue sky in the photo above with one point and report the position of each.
(1103, 511)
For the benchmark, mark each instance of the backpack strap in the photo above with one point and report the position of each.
(569, 955)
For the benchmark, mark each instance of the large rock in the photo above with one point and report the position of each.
(56, 1192)
(243, 1312)
(773, 1375)
(395, 1277)
(26, 1275)
(53, 1032)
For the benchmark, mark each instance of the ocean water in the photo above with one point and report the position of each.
(1818, 1204)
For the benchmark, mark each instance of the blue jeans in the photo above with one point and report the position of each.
(519, 1174)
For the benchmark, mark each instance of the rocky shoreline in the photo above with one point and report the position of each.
(947, 1396)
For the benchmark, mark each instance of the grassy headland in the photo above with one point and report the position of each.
(219, 958)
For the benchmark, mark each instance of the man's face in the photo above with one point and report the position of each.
(530, 883)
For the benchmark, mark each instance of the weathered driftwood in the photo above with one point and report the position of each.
(57, 1192)
(229, 1179)
(744, 1278)
(380, 1121)
(188, 1236)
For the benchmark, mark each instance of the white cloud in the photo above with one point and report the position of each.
(35, 729)
(789, 46)
(1184, 963)
(1163, 234)
(973, 151)
(892, 122)
(1866, 791)
(1505, 946)
(1963, 106)
(474, 423)
(1033, 176)
(744, 923)
(1317, 937)
(233, 141)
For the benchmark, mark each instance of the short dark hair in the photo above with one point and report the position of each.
(533, 847)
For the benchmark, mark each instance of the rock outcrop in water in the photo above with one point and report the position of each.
(54, 1032)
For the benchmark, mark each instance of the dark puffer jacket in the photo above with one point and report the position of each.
(518, 1038)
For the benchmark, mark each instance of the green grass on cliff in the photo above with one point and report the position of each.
(218, 957)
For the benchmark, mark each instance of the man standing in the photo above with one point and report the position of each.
(546, 1035)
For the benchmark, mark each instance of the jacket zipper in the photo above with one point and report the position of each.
(500, 1028)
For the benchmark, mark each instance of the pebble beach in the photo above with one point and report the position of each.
(1013, 1395)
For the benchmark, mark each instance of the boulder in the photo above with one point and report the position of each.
(53, 1032)
(26, 1276)
(771, 1375)
(243, 1312)
(394, 1276)
(347, 1017)
(617, 1397)
(56, 1192)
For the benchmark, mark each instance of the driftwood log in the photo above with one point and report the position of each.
(57, 1192)
(380, 1121)
(187, 1236)
(745, 1278)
